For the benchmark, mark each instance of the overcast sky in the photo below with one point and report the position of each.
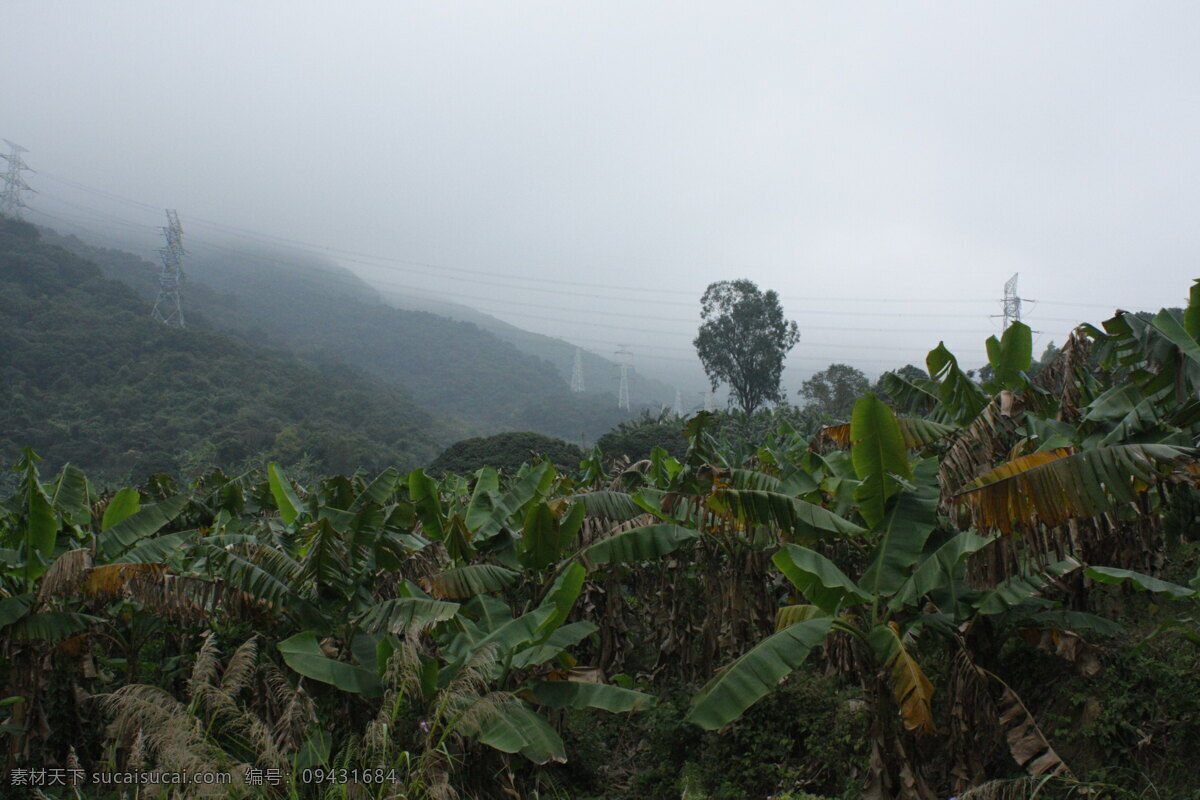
(884, 167)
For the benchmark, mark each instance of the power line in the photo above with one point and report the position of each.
(543, 318)
(419, 267)
(321, 278)
(354, 254)
(504, 310)
(325, 276)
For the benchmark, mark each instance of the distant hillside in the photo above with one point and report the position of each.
(600, 374)
(89, 378)
(469, 378)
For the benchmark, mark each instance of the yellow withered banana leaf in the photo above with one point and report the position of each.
(1058, 485)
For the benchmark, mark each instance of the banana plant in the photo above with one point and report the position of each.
(64, 572)
(1136, 433)
(524, 655)
(883, 611)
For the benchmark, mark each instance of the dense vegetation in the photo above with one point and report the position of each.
(473, 382)
(506, 452)
(89, 378)
(940, 596)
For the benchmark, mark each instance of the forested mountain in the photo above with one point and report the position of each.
(474, 381)
(600, 374)
(89, 378)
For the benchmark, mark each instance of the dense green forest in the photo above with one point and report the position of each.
(980, 588)
(89, 378)
(474, 382)
(506, 452)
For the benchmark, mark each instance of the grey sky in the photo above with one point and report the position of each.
(830, 151)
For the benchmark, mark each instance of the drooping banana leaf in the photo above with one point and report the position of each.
(912, 688)
(639, 544)
(937, 569)
(961, 397)
(147, 521)
(577, 694)
(917, 432)
(1144, 582)
(516, 728)
(562, 638)
(402, 614)
(749, 678)
(378, 491)
(790, 615)
(72, 496)
(825, 586)
(1022, 588)
(303, 653)
(793, 516)
(608, 505)
(1055, 486)
(462, 583)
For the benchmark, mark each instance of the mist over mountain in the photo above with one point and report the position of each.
(601, 375)
(91, 379)
(474, 381)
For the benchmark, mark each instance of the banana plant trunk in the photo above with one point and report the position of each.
(894, 776)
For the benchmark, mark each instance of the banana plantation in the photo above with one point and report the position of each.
(930, 599)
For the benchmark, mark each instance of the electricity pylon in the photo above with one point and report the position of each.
(577, 372)
(11, 201)
(623, 392)
(1012, 302)
(168, 308)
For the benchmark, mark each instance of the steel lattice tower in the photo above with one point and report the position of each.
(1012, 303)
(679, 411)
(168, 308)
(623, 392)
(577, 372)
(11, 201)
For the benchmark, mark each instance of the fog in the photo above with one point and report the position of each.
(585, 171)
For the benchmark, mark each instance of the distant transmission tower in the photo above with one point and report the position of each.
(623, 392)
(168, 308)
(679, 410)
(577, 372)
(1012, 302)
(11, 201)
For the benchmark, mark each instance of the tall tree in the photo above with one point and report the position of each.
(833, 390)
(743, 340)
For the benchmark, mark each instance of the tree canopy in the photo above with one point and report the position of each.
(833, 390)
(506, 451)
(743, 340)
